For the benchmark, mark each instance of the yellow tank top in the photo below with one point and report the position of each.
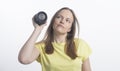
(59, 60)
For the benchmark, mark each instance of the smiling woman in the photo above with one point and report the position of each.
(59, 50)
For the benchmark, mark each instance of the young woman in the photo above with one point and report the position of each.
(59, 50)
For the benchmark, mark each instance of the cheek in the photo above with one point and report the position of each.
(69, 27)
(56, 21)
(54, 25)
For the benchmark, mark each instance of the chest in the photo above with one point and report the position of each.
(59, 60)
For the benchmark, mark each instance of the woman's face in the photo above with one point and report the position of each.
(63, 22)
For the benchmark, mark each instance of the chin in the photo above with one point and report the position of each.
(60, 32)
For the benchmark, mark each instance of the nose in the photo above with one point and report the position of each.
(62, 21)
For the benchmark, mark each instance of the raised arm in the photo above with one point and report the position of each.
(28, 52)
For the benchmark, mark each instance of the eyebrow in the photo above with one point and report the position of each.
(62, 16)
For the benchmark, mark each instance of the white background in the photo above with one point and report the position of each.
(99, 26)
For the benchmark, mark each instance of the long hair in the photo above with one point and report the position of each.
(70, 48)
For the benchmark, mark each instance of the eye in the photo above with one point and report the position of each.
(68, 20)
(58, 16)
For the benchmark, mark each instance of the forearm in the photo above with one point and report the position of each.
(27, 49)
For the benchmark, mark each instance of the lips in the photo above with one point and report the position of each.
(60, 26)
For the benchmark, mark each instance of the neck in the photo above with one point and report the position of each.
(60, 38)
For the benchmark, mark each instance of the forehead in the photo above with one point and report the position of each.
(66, 13)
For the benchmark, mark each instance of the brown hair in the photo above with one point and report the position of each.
(70, 48)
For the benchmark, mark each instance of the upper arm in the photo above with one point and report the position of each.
(34, 54)
(86, 65)
(27, 59)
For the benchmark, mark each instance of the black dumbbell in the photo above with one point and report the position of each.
(40, 18)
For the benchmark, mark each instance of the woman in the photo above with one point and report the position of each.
(59, 50)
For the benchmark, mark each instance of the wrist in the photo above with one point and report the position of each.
(37, 30)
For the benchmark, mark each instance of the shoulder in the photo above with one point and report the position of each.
(39, 44)
(83, 48)
(80, 41)
(82, 45)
